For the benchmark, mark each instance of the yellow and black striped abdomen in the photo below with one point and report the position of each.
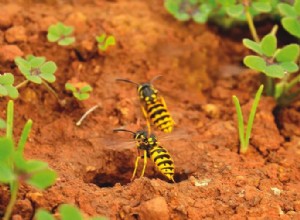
(163, 161)
(160, 116)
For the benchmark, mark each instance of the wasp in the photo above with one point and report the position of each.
(153, 106)
(151, 149)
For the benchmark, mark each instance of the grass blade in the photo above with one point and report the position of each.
(252, 114)
(240, 121)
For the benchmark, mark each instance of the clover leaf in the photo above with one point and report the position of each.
(291, 19)
(61, 34)
(105, 41)
(272, 61)
(66, 212)
(37, 69)
(6, 86)
(80, 90)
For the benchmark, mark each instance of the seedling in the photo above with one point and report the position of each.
(291, 19)
(2, 124)
(37, 70)
(274, 63)
(66, 212)
(105, 41)
(80, 90)
(15, 169)
(6, 86)
(184, 10)
(61, 34)
(244, 137)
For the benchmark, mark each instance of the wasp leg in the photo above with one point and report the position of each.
(147, 119)
(165, 105)
(145, 163)
(135, 167)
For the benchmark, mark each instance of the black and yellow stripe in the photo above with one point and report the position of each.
(160, 116)
(163, 161)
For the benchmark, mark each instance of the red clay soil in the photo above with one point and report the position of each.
(200, 71)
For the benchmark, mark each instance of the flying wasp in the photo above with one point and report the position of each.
(151, 149)
(153, 106)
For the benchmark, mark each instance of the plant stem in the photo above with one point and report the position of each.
(252, 116)
(269, 86)
(251, 25)
(10, 119)
(292, 83)
(86, 114)
(51, 90)
(240, 121)
(14, 188)
(22, 84)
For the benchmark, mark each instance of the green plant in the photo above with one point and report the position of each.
(291, 19)
(2, 124)
(61, 34)
(6, 86)
(14, 168)
(224, 12)
(80, 90)
(37, 70)
(67, 212)
(245, 136)
(105, 41)
(274, 63)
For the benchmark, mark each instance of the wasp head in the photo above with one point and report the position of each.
(147, 93)
(141, 137)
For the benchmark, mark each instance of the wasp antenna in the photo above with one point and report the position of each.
(119, 129)
(155, 78)
(127, 80)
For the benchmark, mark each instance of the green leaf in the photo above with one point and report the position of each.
(269, 45)
(6, 148)
(2, 124)
(182, 16)
(32, 166)
(66, 41)
(262, 6)
(255, 62)
(3, 91)
(86, 88)
(274, 71)
(24, 70)
(235, 10)
(292, 25)
(7, 79)
(287, 10)
(24, 136)
(12, 91)
(48, 67)
(34, 79)
(68, 30)
(43, 215)
(52, 37)
(37, 61)
(6, 174)
(110, 41)
(297, 6)
(42, 179)
(252, 45)
(20, 62)
(19, 160)
(70, 87)
(101, 38)
(290, 67)
(53, 30)
(49, 77)
(83, 96)
(68, 212)
(288, 53)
